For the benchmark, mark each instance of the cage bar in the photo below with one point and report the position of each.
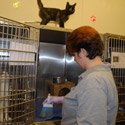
(115, 54)
(18, 69)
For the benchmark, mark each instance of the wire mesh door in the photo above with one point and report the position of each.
(115, 54)
(18, 68)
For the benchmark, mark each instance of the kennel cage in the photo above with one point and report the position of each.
(18, 70)
(115, 54)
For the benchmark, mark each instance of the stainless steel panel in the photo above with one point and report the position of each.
(53, 60)
(51, 64)
(72, 69)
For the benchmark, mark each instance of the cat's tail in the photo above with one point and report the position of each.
(39, 3)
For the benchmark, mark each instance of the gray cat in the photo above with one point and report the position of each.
(55, 14)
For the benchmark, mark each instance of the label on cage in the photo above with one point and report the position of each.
(117, 60)
(26, 57)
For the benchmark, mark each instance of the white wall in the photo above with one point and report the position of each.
(109, 13)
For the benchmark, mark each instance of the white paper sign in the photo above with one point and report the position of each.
(118, 60)
(24, 57)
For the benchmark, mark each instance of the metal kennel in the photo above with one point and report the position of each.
(18, 69)
(115, 54)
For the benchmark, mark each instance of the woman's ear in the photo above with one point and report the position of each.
(83, 53)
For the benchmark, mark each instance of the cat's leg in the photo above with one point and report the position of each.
(61, 24)
(44, 22)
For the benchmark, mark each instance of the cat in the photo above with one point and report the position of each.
(55, 14)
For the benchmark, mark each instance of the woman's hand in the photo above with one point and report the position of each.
(54, 99)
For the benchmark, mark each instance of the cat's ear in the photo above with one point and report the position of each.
(67, 3)
(74, 4)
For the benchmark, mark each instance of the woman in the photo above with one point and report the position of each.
(94, 100)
